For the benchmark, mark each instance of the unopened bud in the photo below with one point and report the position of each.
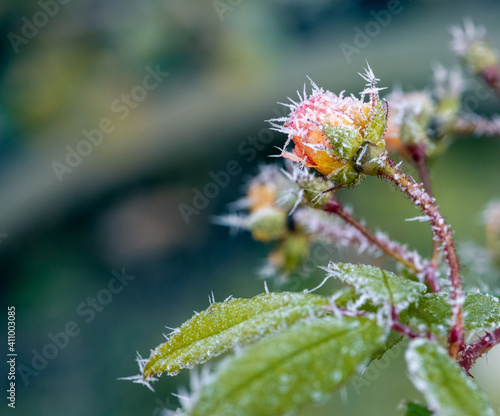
(328, 130)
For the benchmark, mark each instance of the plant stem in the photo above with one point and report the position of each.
(473, 351)
(476, 125)
(419, 158)
(398, 326)
(410, 260)
(441, 233)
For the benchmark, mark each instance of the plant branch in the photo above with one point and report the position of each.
(472, 352)
(442, 234)
(478, 126)
(419, 158)
(410, 260)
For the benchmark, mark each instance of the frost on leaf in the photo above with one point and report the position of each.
(225, 325)
(446, 388)
(377, 285)
(292, 368)
(482, 311)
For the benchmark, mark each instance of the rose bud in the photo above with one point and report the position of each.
(329, 129)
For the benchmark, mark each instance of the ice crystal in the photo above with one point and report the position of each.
(464, 37)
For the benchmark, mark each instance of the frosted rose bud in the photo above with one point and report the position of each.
(409, 120)
(329, 129)
(471, 45)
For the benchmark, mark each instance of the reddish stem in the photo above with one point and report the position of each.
(418, 154)
(472, 352)
(398, 326)
(410, 260)
(475, 125)
(442, 233)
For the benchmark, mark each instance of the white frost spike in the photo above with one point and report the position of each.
(423, 218)
(463, 38)
(369, 76)
(138, 379)
(447, 82)
(235, 222)
(197, 381)
(317, 287)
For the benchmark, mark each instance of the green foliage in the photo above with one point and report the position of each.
(445, 386)
(299, 365)
(415, 409)
(377, 285)
(482, 311)
(226, 324)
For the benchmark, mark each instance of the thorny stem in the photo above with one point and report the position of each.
(419, 157)
(476, 125)
(410, 260)
(441, 233)
(472, 352)
(418, 154)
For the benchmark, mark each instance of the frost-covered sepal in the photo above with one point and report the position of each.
(445, 386)
(290, 369)
(377, 285)
(225, 325)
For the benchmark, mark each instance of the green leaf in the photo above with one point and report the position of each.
(297, 366)
(225, 325)
(415, 409)
(377, 285)
(481, 311)
(445, 386)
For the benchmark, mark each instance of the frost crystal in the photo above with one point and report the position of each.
(464, 37)
(447, 83)
(139, 378)
(379, 286)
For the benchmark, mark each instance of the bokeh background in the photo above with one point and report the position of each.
(229, 63)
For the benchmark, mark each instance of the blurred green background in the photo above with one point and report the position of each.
(228, 62)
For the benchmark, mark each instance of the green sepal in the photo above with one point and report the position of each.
(345, 144)
(225, 325)
(377, 124)
(297, 366)
(445, 386)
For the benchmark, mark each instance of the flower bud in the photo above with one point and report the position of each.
(268, 224)
(408, 121)
(471, 45)
(328, 130)
(261, 195)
